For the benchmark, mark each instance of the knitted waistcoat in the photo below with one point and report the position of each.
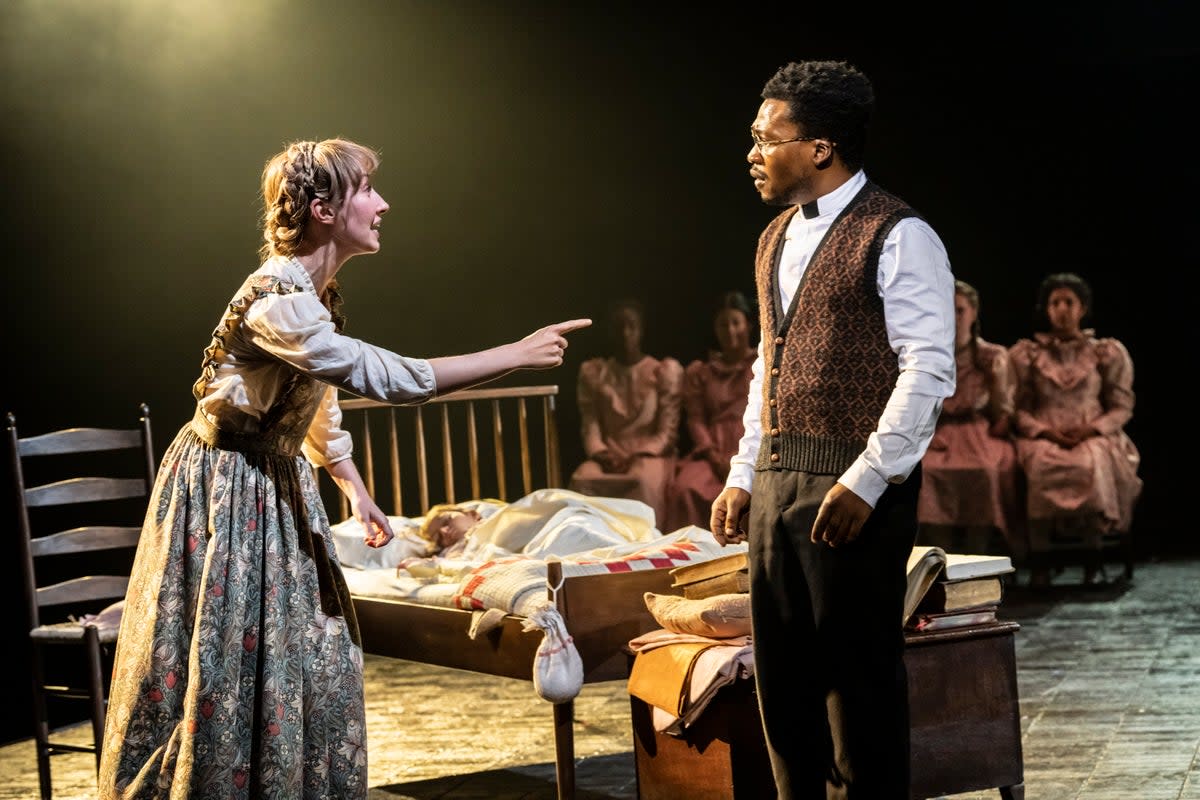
(828, 367)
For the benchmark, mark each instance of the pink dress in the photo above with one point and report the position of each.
(629, 411)
(1068, 382)
(970, 477)
(714, 399)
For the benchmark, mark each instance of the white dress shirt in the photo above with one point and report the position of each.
(917, 288)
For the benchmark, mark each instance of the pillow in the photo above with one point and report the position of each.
(720, 616)
(352, 551)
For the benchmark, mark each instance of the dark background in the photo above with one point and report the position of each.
(541, 160)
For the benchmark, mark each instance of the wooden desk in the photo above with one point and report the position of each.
(966, 727)
(963, 711)
(721, 757)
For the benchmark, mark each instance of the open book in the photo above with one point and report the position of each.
(927, 564)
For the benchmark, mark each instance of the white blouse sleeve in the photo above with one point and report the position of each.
(298, 330)
(326, 443)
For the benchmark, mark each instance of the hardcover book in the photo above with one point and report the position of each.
(729, 583)
(958, 619)
(967, 593)
(721, 565)
(927, 564)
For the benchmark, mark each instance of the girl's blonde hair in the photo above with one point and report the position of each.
(304, 171)
(426, 530)
(968, 291)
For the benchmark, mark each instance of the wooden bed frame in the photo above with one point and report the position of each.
(602, 612)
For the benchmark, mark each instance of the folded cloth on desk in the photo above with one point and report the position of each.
(679, 674)
(663, 676)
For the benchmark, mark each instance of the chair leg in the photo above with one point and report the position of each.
(1093, 568)
(1039, 569)
(96, 688)
(41, 720)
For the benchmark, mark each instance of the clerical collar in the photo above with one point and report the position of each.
(833, 202)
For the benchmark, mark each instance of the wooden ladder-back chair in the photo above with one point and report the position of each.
(74, 475)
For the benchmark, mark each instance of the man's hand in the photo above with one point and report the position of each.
(728, 518)
(840, 517)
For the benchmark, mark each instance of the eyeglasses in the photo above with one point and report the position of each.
(764, 145)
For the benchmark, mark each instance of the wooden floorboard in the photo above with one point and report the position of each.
(1109, 684)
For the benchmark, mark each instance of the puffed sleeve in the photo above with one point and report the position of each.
(326, 443)
(585, 395)
(669, 385)
(298, 330)
(1025, 397)
(1116, 388)
(1001, 384)
(694, 408)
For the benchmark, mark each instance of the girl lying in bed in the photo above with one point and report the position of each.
(547, 522)
(488, 554)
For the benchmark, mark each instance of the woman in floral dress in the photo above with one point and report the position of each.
(629, 408)
(238, 669)
(714, 400)
(970, 480)
(1074, 398)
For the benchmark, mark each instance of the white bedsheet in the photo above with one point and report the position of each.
(504, 564)
(387, 582)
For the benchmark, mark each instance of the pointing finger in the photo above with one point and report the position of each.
(571, 325)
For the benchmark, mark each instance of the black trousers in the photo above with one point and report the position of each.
(828, 640)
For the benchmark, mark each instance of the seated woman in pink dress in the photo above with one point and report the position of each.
(629, 407)
(1074, 398)
(714, 399)
(969, 490)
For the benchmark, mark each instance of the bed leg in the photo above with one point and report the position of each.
(564, 749)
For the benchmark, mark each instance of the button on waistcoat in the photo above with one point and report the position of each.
(829, 366)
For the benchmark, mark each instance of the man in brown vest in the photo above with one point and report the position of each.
(856, 302)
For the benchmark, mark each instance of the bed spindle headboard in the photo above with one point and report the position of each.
(467, 424)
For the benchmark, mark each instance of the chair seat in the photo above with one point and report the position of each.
(71, 632)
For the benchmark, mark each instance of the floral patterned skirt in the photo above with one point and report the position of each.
(238, 668)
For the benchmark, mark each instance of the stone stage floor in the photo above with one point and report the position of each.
(1109, 685)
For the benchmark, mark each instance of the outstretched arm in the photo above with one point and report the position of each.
(541, 349)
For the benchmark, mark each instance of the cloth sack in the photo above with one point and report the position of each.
(557, 666)
(719, 616)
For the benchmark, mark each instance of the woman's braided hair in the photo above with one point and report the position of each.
(303, 172)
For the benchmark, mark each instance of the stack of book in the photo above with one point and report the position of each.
(722, 575)
(953, 590)
(945, 590)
